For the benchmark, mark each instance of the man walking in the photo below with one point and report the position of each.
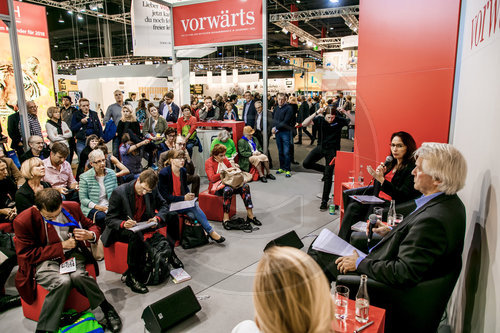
(282, 130)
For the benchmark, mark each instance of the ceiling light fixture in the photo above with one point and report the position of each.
(285, 31)
(79, 17)
(61, 20)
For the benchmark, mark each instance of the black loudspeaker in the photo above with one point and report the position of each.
(169, 311)
(289, 239)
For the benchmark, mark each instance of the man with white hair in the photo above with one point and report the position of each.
(428, 243)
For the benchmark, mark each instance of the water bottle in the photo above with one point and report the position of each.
(331, 208)
(362, 301)
(361, 179)
(391, 214)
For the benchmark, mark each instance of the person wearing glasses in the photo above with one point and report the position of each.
(36, 149)
(96, 186)
(154, 130)
(392, 181)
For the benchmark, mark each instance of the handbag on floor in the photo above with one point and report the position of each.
(238, 224)
(193, 234)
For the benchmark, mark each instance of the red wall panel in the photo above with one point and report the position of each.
(406, 69)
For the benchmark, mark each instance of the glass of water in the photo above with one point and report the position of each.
(341, 300)
(378, 211)
(398, 218)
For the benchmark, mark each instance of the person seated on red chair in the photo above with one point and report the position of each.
(46, 235)
(132, 202)
(213, 166)
(58, 172)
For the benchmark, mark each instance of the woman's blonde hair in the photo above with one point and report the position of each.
(132, 113)
(28, 165)
(291, 293)
(51, 110)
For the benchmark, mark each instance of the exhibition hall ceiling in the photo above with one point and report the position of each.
(79, 36)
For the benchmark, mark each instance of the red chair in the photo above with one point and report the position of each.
(6, 227)
(211, 205)
(75, 300)
(115, 256)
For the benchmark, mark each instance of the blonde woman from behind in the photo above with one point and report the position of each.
(290, 295)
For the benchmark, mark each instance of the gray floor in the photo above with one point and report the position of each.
(222, 274)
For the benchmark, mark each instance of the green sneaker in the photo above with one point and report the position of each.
(280, 171)
(288, 174)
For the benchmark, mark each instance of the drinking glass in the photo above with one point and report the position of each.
(351, 177)
(398, 219)
(341, 301)
(378, 211)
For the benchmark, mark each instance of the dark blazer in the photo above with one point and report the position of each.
(166, 184)
(170, 117)
(303, 112)
(401, 187)
(428, 244)
(251, 115)
(13, 130)
(25, 197)
(122, 205)
(32, 248)
(80, 130)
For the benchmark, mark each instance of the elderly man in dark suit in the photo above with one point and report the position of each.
(47, 235)
(249, 112)
(428, 243)
(134, 202)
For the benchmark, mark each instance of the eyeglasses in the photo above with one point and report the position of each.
(100, 161)
(398, 146)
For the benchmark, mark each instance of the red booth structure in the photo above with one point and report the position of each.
(75, 300)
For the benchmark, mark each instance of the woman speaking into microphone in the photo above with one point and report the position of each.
(392, 181)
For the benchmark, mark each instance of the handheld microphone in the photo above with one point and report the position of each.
(373, 221)
(388, 160)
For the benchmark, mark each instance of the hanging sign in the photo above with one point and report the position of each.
(218, 22)
(151, 32)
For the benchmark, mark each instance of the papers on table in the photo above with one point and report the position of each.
(328, 242)
(143, 225)
(179, 205)
(179, 275)
(359, 226)
(367, 199)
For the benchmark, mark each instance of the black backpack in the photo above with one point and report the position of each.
(238, 224)
(158, 257)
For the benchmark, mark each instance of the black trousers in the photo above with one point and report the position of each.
(304, 129)
(258, 134)
(310, 162)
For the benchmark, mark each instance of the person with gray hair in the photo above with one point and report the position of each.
(224, 139)
(96, 186)
(428, 243)
(36, 144)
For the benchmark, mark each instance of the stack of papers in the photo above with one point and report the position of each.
(180, 205)
(179, 275)
(328, 242)
(143, 225)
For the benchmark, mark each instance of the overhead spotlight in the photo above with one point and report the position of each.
(285, 31)
(56, 46)
(79, 17)
(331, 28)
(61, 20)
(100, 14)
(70, 12)
(334, 1)
(93, 7)
(83, 10)
(309, 43)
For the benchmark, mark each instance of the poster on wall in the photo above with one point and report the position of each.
(34, 52)
(151, 32)
(217, 22)
(310, 81)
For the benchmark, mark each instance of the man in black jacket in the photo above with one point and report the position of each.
(329, 131)
(428, 243)
(84, 123)
(282, 129)
(249, 111)
(15, 134)
(67, 111)
(130, 203)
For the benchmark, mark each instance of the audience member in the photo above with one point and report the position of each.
(195, 108)
(33, 170)
(233, 99)
(224, 139)
(47, 234)
(114, 112)
(67, 111)
(292, 101)
(96, 186)
(34, 124)
(169, 110)
(428, 243)
(289, 295)
(213, 166)
(186, 126)
(7, 196)
(302, 115)
(140, 112)
(58, 172)
(35, 143)
(230, 114)
(90, 145)
(394, 180)
(8, 261)
(250, 152)
(12, 169)
(85, 122)
(130, 154)
(282, 130)
(249, 112)
(14, 132)
(132, 98)
(133, 202)
(57, 130)
(330, 129)
(173, 188)
(259, 128)
(154, 130)
(192, 178)
(113, 163)
(209, 111)
(129, 124)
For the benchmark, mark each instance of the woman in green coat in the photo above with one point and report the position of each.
(250, 153)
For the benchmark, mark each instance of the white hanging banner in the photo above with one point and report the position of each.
(151, 32)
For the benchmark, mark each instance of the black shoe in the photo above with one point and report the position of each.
(9, 302)
(176, 262)
(323, 207)
(269, 176)
(295, 162)
(254, 221)
(220, 240)
(114, 323)
(135, 285)
(263, 179)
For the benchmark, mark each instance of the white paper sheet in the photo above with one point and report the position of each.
(143, 225)
(328, 242)
(175, 206)
(359, 226)
(367, 199)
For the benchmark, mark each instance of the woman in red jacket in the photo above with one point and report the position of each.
(186, 126)
(213, 166)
